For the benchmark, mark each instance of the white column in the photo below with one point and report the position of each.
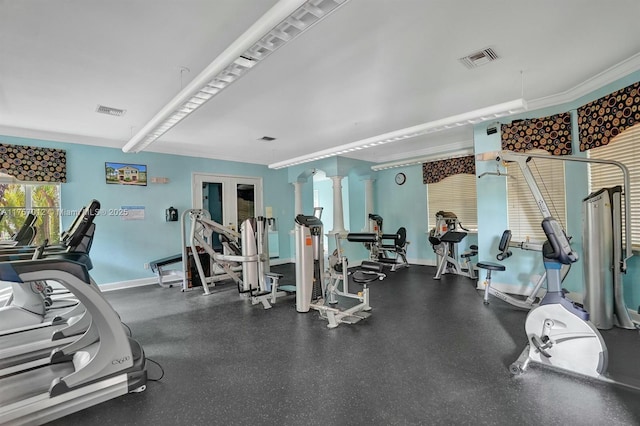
(338, 214)
(368, 204)
(297, 193)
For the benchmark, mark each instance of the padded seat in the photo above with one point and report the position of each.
(487, 282)
(368, 272)
(473, 251)
(490, 266)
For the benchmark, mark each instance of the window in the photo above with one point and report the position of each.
(18, 200)
(455, 194)
(624, 148)
(524, 217)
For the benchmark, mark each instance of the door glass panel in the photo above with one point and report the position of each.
(212, 201)
(246, 202)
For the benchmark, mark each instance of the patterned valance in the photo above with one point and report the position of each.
(435, 171)
(552, 134)
(30, 163)
(603, 119)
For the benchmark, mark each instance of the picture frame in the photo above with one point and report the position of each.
(125, 174)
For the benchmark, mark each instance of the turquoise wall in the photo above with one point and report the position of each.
(405, 205)
(121, 248)
(492, 204)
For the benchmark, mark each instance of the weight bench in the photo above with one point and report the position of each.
(159, 267)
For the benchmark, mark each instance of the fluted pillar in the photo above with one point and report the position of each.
(368, 204)
(338, 213)
(297, 193)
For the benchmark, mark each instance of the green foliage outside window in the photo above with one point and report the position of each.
(18, 200)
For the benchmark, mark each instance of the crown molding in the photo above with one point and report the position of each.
(430, 150)
(608, 76)
(203, 151)
(45, 135)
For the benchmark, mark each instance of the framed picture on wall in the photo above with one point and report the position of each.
(125, 174)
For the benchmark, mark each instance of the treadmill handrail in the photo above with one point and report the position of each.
(114, 353)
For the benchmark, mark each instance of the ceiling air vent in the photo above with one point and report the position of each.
(110, 111)
(476, 59)
(267, 139)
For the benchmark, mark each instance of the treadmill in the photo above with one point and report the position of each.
(25, 235)
(22, 348)
(111, 367)
(31, 348)
(84, 218)
(76, 242)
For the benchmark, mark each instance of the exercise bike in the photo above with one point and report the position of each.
(559, 331)
(536, 294)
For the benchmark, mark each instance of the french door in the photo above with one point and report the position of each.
(229, 199)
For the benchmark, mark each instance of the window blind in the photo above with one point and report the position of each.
(524, 215)
(455, 194)
(624, 148)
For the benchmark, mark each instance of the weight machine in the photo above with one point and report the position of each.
(388, 249)
(319, 289)
(257, 279)
(444, 239)
(246, 252)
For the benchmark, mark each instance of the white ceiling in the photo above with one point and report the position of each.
(371, 67)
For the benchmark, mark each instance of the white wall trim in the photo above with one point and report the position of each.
(517, 289)
(20, 132)
(616, 72)
(598, 81)
(279, 261)
(422, 262)
(120, 285)
(432, 149)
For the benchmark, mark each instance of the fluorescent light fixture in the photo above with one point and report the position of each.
(424, 159)
(281, 24)
(472, 117)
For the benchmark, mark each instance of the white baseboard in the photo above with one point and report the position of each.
(518, 289)
(279, 261)
(422, 262)
(120, 285)
(128, 284)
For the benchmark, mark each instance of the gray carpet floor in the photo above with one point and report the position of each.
(430, 354)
